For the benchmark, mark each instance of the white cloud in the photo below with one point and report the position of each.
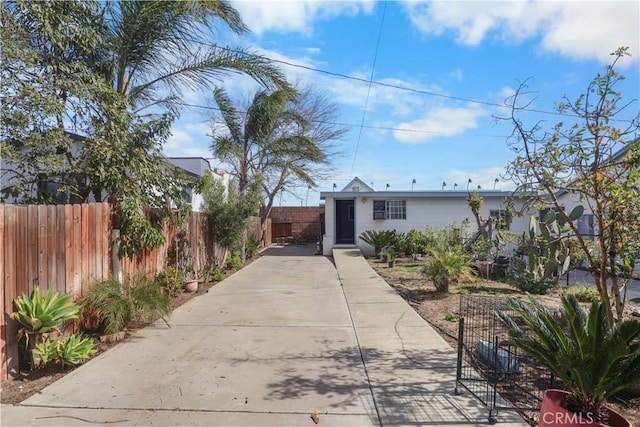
(295, 16)
(575, 29)
(439, 122)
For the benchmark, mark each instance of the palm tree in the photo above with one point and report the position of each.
(154, 56)
(274, 140)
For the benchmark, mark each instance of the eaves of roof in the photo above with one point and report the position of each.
(418, 194)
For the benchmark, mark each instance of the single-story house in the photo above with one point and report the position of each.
(358, 207)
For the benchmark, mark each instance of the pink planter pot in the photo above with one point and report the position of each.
(190, 285)
(553, 414)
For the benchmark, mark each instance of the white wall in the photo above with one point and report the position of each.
(432, 211)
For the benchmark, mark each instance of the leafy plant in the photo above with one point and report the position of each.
(252, 246)
(234, 262)
(149, 301)
(74, 350)
(525, 281)
(451, 317)
(118, 307)
(446, 265)
(40, 314)
(390, 252)
(217, 275)
(377, 238)
(45, 352)
(113, 306)
(593, 360)
(171, 280)
(583, 293)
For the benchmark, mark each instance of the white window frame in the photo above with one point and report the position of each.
(393, 209)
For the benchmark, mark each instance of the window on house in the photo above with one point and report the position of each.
(389, 209)
(586, 226)
(501, 220)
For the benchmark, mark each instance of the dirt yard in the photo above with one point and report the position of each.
(442, 310)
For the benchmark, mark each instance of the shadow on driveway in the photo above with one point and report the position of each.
(308, 249)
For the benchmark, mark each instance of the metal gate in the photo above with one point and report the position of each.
(497, 373)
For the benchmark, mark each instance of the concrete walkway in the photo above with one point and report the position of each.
(289, 334)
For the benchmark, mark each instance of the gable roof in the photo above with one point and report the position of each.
(357, 185)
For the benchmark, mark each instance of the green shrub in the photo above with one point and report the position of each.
(377, 239)
(149, 300)
(110, 302)
(525, 281)
(234, 262)
(217, 274)
(451, 317)
(447, 265)
(171, 280)
(119, 306)
(252, 246)
(583, 293)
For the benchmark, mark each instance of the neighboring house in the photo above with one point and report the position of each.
(197, 167)
(358, 207)
(192, 166)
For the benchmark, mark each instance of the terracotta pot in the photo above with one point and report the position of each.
(553, 414)
(190, 285)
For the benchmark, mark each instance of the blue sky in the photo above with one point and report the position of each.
(457, 61)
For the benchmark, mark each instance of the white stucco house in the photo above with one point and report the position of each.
(358, 207)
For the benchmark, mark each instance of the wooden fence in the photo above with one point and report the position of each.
(68, 247)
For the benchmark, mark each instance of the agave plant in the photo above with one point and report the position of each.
(41, 314)
(592, 360)
(377, 238)
(74, 350)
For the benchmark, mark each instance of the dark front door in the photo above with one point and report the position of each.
(345, 224)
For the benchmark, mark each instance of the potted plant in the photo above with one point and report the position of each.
(592, 360)
(391, 254)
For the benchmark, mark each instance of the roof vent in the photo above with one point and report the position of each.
(356, 188)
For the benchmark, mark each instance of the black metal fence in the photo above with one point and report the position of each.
(500, 375)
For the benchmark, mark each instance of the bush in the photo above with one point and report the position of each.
(526, 281)
(252, 246)
(107, 299)
(447, 265)
(71, 351)
(171, 280)
(583, 293)
(150, 301)
(377, 239)
(118, 307)
(234, 262)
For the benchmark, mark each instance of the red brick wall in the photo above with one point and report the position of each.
(305, 220)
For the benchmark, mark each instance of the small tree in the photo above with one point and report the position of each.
(229, 213)
(595, 163)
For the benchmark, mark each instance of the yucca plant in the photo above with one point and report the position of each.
(377, 238)
(591, 359)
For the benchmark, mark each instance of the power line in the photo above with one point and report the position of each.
(366, 102)
(351, 125)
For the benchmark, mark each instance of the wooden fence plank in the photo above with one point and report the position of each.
(9, 267)
(61, 252)
(3, 323)
(106, 242)
(52, 246)
(32, 269)
(99, 235)
(76, 245)
(43, 273)
(84, 245)
(21, 250)
(68, 250)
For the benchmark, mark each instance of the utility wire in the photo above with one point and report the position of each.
(366, 102)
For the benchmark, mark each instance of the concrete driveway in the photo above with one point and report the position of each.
(285, 336)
